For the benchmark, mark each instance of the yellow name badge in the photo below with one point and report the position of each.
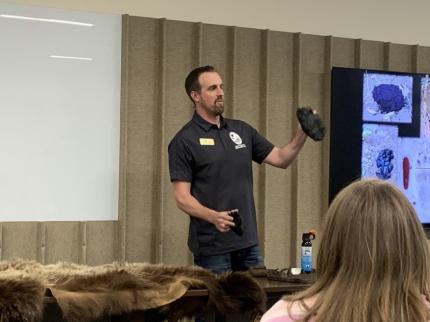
(204, 141)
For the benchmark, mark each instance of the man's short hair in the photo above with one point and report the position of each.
(192, 80)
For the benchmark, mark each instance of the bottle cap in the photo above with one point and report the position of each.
(309, 235)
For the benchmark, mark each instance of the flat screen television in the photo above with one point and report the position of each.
(380, 127)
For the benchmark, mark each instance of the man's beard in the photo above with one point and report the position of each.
(216, 109)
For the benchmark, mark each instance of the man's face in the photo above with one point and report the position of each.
(211, 95)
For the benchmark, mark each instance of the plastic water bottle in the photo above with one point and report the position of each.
(306, 258)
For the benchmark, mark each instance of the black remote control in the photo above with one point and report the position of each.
(237, 229)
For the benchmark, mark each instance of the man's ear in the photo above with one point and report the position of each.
(195, 96)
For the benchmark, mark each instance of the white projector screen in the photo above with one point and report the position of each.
(59, 114)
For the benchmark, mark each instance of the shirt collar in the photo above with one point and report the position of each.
(205, 124)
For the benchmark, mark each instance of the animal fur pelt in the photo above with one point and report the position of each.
(86, 293)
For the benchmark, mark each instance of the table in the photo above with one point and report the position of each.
(274, 290)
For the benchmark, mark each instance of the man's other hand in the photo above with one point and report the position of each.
(223, 221)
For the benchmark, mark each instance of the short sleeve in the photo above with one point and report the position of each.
(180, 161)
(261, 147)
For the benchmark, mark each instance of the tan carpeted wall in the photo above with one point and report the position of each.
(267, 74)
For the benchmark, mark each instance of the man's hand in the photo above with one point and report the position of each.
(223, 221)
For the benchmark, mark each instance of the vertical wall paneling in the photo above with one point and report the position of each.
(372, 54)
(401, 58)
(83, 242)
(99, 241)
(198, 61)
(416, 59)
(325, 114)
(1, 241)
(280, 123)
(263, 110)
(248, 88)
(62, 241)
(215, 51)
(158, 176)
(424, 59)
(41, 252)
(358, 53)
(232, 48)
(122, 202)
(179, 55)
(387, 56)
(311, 158)
(297, 100)
(21, 240)
(345, 52)
(142, 140)
(198, 43)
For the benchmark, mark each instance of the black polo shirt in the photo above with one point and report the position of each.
(218, 164)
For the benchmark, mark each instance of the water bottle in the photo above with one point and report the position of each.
(306, 258)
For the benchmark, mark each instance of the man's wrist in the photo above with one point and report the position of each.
(211, 215)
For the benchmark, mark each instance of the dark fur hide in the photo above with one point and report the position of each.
(21, 297)
(87, 293)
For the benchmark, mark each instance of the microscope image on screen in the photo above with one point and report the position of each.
(380, 128)
(387, 98)
(379, 151)
(405, 161)
(425, 107)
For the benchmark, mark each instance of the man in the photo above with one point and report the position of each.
(210, 162)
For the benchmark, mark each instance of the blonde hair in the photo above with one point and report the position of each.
(373, 261)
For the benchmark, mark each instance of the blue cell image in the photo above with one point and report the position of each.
(387, 98)
(377, 138)
(384, 165)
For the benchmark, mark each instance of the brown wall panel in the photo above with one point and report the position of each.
(247, 93)
(62, 242)
(310, 188)
(401, 58)
(282, 121)
(424, 60)
(218, 48)
(325, 113)
(100, 242)
(313, 54)
(142, 76)
(20, 240)
(178, 110)
(247, 75)
(372, 54)
(215, 46)
(344, 51)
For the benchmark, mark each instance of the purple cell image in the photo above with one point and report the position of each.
(384, 164)
(379, 151)
(387, 98)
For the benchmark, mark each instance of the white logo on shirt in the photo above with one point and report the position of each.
(237, 140)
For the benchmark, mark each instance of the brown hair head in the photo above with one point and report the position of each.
(373, 261)
(192, 80)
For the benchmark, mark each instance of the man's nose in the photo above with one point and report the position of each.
(220, 92)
